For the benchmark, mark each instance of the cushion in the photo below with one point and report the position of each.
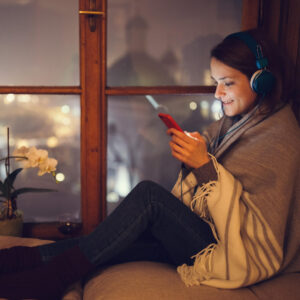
(151, 281)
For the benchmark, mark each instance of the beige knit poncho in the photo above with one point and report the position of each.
(254, 206)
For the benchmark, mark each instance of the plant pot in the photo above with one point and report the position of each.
(12, 227)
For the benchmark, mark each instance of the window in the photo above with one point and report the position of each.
(61, 64)
(159, 45)
(40, 43)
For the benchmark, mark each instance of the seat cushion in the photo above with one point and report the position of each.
(149, 281)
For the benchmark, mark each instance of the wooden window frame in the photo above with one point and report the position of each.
(94, 112)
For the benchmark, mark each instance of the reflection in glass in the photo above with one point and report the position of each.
(39, 42)
(51, 123)
(154, 42)
(138, 146)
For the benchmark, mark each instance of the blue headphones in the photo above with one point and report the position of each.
(262, 81)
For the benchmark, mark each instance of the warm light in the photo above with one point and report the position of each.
(216, 110)
(9, 98)
(112, 197)
(24, 98)
(66, 121)
(63, 131)
(122, 186)
(65, 109)
(207, 78)
(204, 106)
(60, 177)
(52, 142)
(217, 116)
(21, 143)
(193, 105)
(58, 118)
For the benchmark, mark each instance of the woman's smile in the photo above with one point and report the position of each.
(228, 102)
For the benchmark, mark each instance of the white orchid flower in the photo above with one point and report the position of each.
(31, 158)
(47, 166)
(21, 153)
(35, 157)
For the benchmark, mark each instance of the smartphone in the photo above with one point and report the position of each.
(169, 121)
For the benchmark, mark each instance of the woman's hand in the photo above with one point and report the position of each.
(191, 151)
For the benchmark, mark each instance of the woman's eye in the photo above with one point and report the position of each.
(229, 83)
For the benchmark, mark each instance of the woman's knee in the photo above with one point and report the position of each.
(149, 192)
(141, 193)
(154, 192)
(146, 185)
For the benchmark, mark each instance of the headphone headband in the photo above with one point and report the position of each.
(262, 81)
(256, 49)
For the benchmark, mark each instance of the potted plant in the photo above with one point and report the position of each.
(11, 219)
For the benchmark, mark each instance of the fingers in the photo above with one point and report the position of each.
(187, 137)
(184, 144)
(178, 148)
(193, 158)
(178, 152)
(189, 150)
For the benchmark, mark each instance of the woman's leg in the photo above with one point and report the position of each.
(147, 207)
(20, 258)
(145, 248)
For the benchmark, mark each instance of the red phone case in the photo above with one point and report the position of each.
(169, 121)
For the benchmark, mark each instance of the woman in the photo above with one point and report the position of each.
(237, 221)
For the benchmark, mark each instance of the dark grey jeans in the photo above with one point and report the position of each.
(149, 224)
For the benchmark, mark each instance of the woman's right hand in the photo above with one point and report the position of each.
(190, 150)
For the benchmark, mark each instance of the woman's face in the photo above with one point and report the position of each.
(233, 89)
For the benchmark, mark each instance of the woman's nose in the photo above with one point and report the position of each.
(219, 91)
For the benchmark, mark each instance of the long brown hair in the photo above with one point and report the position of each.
(233, 52)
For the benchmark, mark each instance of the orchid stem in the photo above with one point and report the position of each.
(7, 163)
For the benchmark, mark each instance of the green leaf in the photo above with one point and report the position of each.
(29, 190)
(10, 179)
(4, 190)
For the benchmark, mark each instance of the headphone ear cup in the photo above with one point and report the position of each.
(262, 82)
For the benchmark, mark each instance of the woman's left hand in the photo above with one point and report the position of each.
(191, 151)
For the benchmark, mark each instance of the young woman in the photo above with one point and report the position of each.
(231, 219)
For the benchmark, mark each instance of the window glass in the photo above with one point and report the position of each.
(39, 42)
(155, 42)
(52, 123)
(138, 146)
